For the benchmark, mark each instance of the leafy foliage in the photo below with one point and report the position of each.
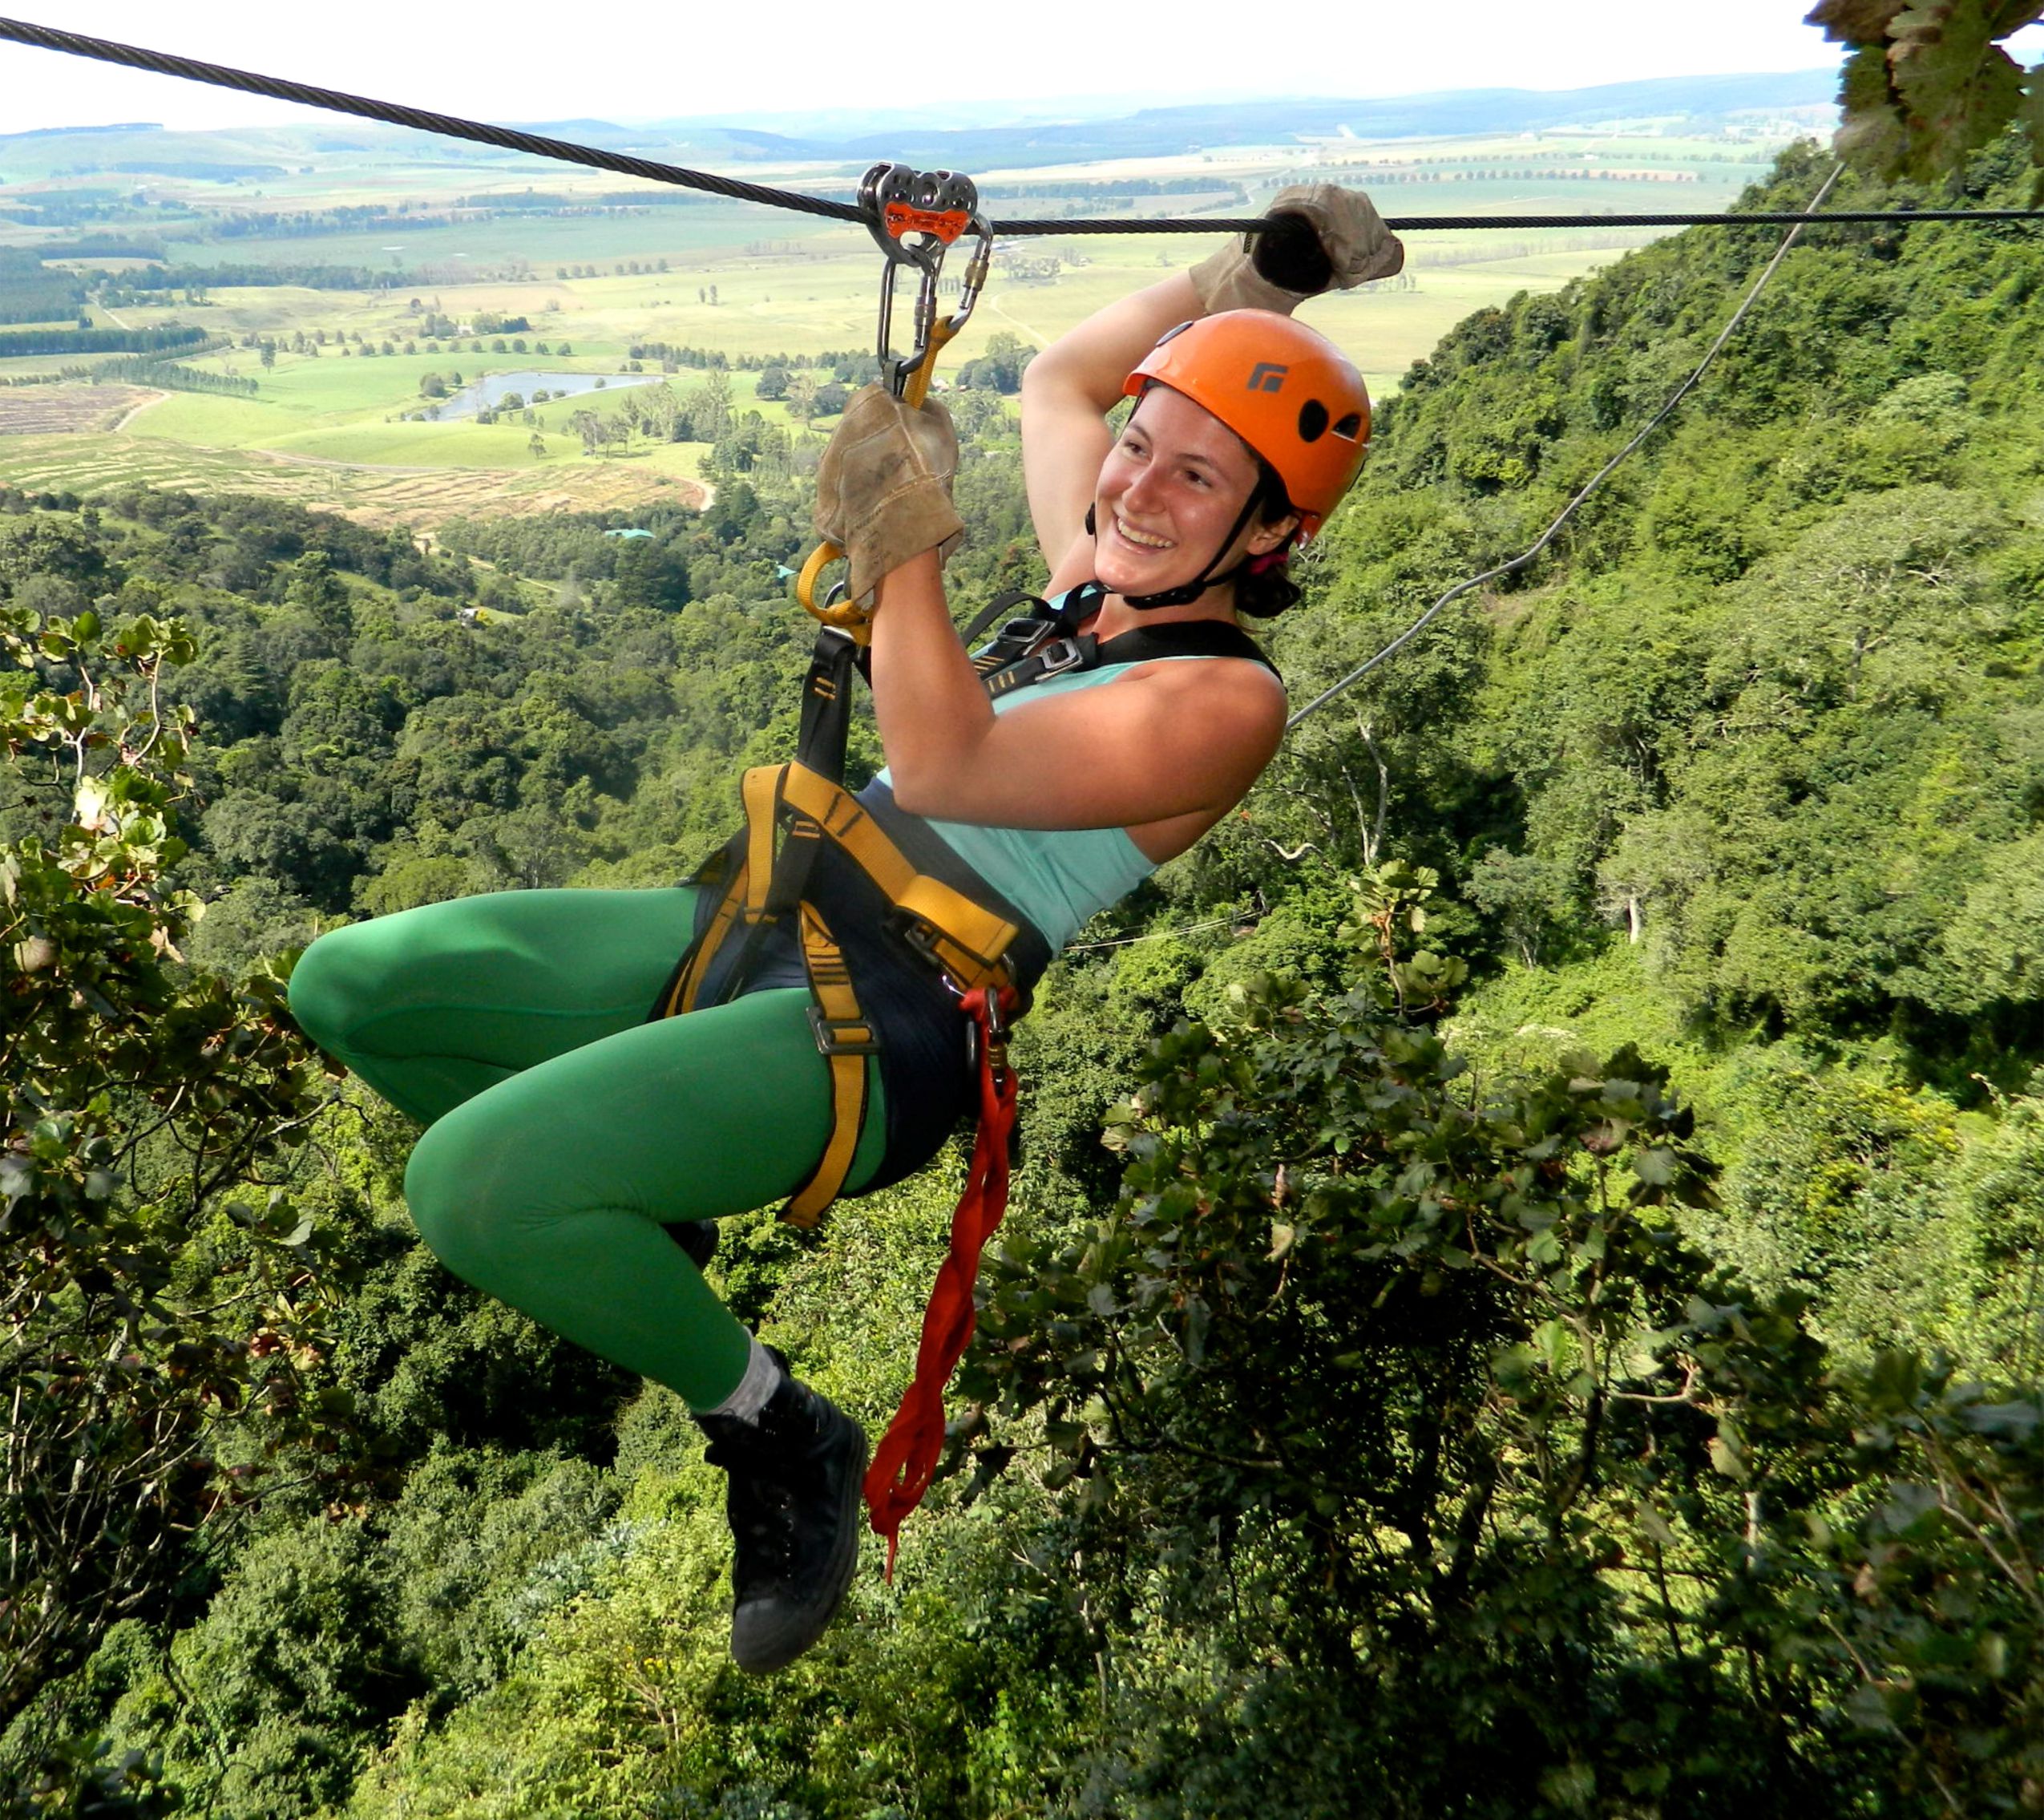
(160, 1297)
(1928, 84)
(1410, 1402)
(1815, 609)
(1403, 1391)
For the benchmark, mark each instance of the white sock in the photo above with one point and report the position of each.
(762, 1375)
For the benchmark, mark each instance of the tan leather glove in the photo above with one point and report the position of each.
(883, 490)
(1323, 238)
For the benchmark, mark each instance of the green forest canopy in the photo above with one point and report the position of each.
(1552, 1328)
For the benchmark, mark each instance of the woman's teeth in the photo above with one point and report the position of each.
(1137, 538)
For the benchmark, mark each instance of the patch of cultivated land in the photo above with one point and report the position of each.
(35, 410)
(374, 495)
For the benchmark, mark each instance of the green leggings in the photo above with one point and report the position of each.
(563, 1130)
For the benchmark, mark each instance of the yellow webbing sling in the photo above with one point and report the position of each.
(969, 942)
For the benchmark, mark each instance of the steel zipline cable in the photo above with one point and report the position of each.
(511, 138)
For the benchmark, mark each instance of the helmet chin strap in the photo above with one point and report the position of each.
(1187, 593)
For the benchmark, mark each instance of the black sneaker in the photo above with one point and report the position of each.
(697, 1238)
(793, 1504)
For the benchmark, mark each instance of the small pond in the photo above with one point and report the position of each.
(483, 394)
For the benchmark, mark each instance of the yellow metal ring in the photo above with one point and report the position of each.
(847, 615)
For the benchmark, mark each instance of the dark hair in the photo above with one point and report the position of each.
(1263, 593)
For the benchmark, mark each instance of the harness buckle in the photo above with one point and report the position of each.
(925, 942)
(917, 935)
(847, 1036)
(1014, 639)
(1058, 655)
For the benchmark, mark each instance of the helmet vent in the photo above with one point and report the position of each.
(1312, 421)
(1350, 428)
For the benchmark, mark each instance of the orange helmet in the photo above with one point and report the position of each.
(1286, 390)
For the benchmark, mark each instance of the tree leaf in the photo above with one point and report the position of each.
(1854, 22)
(1959, 88)
(2015, 1422)
(1656, 1167)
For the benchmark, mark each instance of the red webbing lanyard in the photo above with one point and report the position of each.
(908, 1453)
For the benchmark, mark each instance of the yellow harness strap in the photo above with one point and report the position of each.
(968, 942)
(847, 1040)
(688, 982)
(759, 789)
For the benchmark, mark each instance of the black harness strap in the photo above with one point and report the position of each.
(819, 744)
(1034, 649)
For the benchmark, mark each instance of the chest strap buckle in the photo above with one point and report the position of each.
(1058, 655)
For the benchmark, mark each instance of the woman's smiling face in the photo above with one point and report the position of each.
(1171, 489)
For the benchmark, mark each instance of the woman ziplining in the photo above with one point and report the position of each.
(810, 1041)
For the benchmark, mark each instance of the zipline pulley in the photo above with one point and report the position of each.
(915, 217)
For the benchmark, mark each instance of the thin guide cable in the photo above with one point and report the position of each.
(1596, 481)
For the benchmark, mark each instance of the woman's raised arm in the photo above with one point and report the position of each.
(1067, 392)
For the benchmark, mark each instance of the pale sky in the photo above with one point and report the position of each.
(617, 61)
(606, 59)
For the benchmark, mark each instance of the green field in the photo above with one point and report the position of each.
(784, 284)
(678, 233)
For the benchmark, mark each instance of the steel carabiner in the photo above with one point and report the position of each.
(914, 218)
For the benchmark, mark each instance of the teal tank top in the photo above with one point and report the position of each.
(1057, 877)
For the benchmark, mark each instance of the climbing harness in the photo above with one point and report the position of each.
(914, 217)
(760, 882)
(766, 879)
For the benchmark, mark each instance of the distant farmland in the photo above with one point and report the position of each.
(467, 237)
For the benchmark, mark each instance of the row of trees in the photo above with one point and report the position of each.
(170, 375)
(18, 343)
(625, 268)
(32, 292)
